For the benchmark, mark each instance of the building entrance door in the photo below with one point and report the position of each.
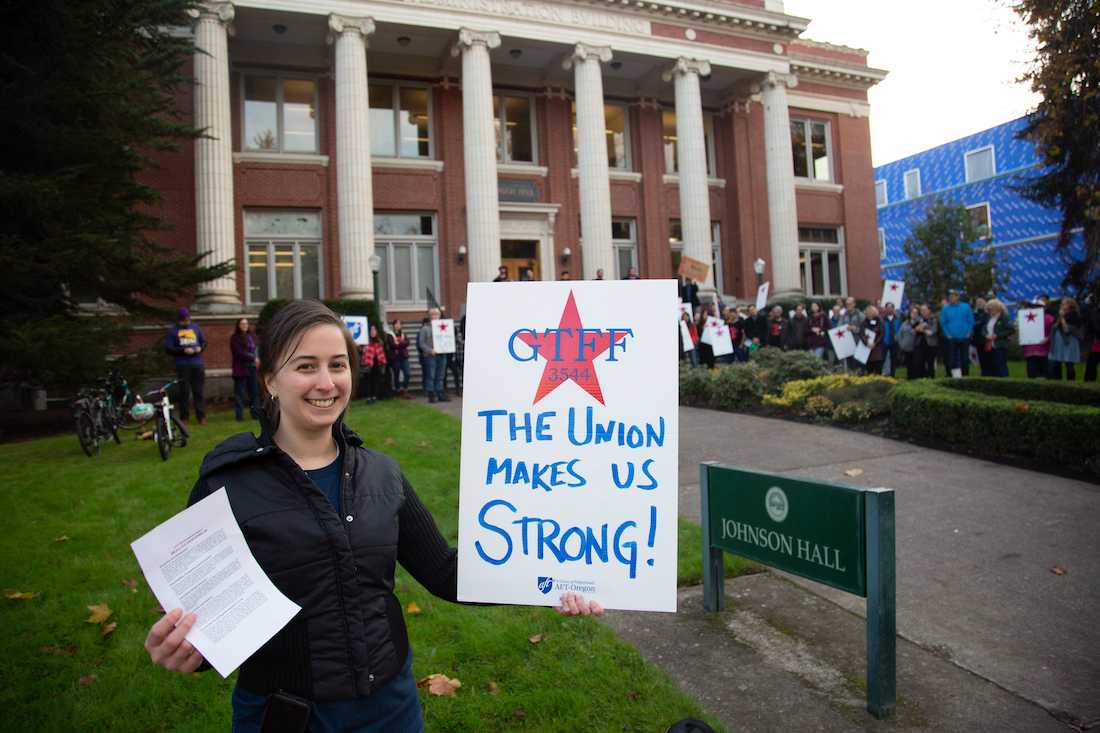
(520, 256)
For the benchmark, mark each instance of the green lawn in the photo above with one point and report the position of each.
(1016, 370)
(579, 678)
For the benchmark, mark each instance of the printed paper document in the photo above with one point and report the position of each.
(198, 561)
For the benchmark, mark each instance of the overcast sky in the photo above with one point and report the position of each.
(952, 64)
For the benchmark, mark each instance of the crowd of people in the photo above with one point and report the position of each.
(959, 336)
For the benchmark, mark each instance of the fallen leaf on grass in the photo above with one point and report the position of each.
(130, 583)
(108, 628)
(388, 441)
(536, 638)
(423, 444)
(100, 613)
(412, 609)
(1022, 407)
(494, 688)
(20, 595)
(88, 679)
(854, 472)
(439, 684)
(69, 650)
(634, 696)
(62, 538)
(1058, 570)
(518, 714)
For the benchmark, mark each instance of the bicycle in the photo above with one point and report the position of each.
(94, 420)
(168, 430)
(120, 401)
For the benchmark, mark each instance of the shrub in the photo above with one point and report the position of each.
(853, 412)
(737, 386)
(820, 407)
(1032, 389)
(835, 388)
(779, 367)
(955, 412)
(696, 386)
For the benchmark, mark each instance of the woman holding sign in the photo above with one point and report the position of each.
(327, 520)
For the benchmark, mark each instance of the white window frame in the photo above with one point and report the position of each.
(677, 245)
(279, 77)
(807, 248)
(905, 186)
(395, 105)
(885, 193)
(388, 240)
(274, 239)
(708, 142)
(988, 217)
(628, 164)
(966, 162)
(531, 109)
(881, 243)
(630, 244)
(807, 134)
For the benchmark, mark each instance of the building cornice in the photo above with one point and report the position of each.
(856, 77)
(712, 14)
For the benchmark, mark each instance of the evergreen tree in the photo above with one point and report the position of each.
(89, 92)
(1066, 129)
(947, 250)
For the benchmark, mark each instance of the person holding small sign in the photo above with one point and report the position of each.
(998, 330)
(872, 332)
(328, 520)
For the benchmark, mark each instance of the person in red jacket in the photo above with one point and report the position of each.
(372, 364)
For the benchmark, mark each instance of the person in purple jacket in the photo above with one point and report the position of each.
(242, 345)
(185, 342)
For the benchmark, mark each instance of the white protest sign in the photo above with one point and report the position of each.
(1032, 330)
(707, 336)
(892, 291)
(974, 359)
(762, 296)
(443, 336)
(685, 307)
(359, 328)
(721, 341)
(568, 479)
(843, 343)
(863, 349)
(685, 338)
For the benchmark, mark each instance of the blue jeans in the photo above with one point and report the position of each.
(998, 359)
(393, 708)
(246, 393)
(400, 371)
(427, 371)
(439, 371)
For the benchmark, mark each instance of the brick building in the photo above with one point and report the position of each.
(434, 141)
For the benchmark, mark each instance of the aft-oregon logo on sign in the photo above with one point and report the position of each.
(775, 501)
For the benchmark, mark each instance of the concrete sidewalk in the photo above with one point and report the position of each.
(986, 625)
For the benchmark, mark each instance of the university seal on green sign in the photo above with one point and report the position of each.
(775, 501)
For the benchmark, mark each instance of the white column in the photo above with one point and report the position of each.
(691, 154)
(779, 163)
(479, 153)
(214, 155)
(595, 184)
(354, 189)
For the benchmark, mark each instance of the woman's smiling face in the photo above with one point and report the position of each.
(313, 384)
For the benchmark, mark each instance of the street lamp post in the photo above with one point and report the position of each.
(375, 266)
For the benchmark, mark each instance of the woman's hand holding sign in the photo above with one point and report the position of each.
(575, 604)
(167, 644)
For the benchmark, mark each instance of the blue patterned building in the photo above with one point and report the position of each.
(977, 171)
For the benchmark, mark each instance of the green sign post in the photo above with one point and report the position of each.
(841, 536)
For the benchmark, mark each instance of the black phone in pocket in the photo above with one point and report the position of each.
(285, 713)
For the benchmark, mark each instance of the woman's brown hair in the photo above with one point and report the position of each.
(283, 335)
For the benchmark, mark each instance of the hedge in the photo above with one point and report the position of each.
(1032, 389)
(954, 411)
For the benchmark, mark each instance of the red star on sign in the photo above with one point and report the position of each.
(566, 345)
(1030, 317)
(442, 326)
(893, 286)
(840, 333)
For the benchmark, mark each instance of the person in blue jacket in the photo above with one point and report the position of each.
(956, 327)
(185, 342)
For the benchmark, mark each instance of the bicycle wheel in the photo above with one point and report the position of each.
(164, 444)
(179, 433)
(111, 421)
(86, 433)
